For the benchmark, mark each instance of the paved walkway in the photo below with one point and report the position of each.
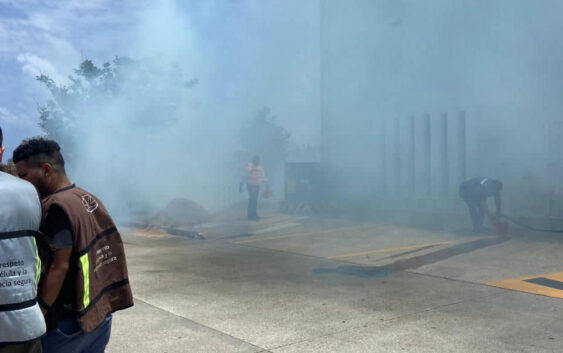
(295, 284)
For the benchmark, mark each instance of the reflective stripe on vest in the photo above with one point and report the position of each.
(85, 265)
(84, 261)
(20, 212)
(37, 262)
(254, 174)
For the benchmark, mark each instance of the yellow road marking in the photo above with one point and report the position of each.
(412, 247)
(307, 233)
(519, 284)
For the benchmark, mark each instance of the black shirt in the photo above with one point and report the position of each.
(479, 188)
(58, 229)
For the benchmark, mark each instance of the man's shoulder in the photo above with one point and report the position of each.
(19, 203)
(71, 191)
(10, 182)
(80, 191)
(5, 177)
(87, 197)
(73, 198)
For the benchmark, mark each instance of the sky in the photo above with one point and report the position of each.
(246, 54)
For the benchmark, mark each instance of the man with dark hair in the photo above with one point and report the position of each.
(21, 321)
(37, 158)
(475, 192)
(85, 278)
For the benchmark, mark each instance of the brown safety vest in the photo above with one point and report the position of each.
(102, 283)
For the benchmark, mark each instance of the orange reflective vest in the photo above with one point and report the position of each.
(255, 174)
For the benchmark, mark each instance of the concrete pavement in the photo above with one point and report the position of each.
(297, 284)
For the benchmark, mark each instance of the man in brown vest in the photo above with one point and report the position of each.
(84, 279)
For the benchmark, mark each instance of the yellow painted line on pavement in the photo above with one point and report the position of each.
(292, 235)
(369, 252)
(522, 285)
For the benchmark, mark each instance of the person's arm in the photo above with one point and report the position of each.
(498, 205)
(243, 180)
(493, 217)
(53, 280)
(265, 180)
(59, 231)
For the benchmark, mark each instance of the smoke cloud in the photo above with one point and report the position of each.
(199, 71)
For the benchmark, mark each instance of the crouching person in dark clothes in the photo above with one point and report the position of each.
(84, 277)
(475, 193)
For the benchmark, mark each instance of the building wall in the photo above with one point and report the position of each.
(498, 61)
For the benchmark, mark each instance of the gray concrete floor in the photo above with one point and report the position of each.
(297, 284)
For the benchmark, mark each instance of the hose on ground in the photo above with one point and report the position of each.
(530, 227)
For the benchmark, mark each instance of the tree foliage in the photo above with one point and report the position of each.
(125, 92)
(264, 137)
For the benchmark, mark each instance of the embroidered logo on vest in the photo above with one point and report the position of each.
(89, 203)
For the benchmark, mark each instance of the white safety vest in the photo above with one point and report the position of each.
(20, 215)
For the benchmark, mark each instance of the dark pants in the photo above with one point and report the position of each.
(476, 210)
(253, 192)
(67, 337)
(27, 347)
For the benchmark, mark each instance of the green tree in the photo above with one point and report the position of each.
(141, 95)
(263, 136)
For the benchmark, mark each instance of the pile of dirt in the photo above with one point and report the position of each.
(182, 212)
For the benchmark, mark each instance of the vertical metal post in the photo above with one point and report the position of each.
(427, 151)
(461, 139)
(444, 150)
(397, 155)
(383, 156)
(410, 157)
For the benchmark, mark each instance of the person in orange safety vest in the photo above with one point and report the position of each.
(254, 178)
